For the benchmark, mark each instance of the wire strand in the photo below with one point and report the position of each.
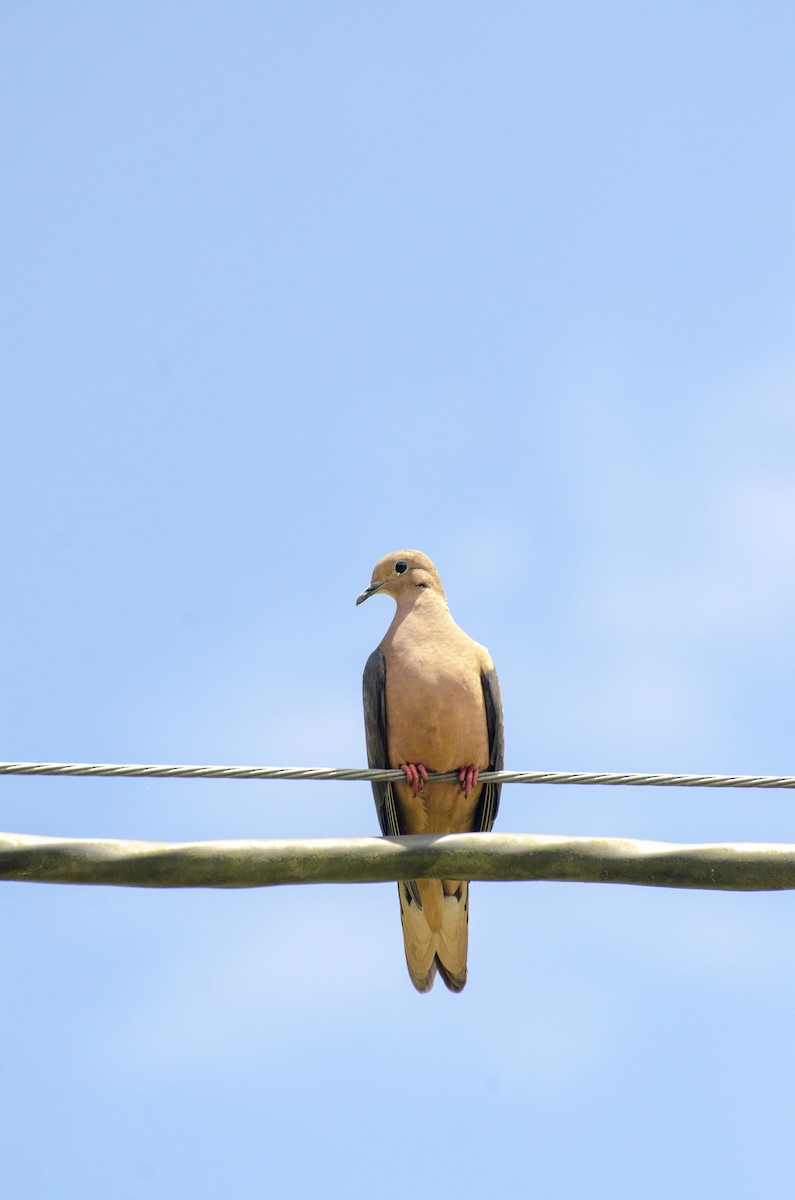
(609, 778)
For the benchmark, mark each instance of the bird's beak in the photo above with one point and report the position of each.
(368, 591)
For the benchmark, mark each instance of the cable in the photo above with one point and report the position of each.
(612, 778)
(484, 856)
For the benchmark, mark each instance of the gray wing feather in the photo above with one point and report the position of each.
(374, 695)
(490, 796)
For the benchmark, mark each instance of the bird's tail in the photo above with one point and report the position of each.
(435, 918)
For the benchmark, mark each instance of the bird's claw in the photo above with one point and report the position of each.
(468, 777)
(416, 774)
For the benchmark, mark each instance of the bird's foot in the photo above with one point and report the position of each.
(416, 774)
(468, 777)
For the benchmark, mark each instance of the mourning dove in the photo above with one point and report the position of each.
(431, 703)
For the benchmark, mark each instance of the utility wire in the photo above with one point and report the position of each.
(484, 856)
(612, 778)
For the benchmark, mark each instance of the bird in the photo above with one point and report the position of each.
(431, 704)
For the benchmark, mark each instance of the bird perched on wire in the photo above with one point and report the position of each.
(431, 704)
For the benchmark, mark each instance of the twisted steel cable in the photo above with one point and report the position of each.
(610, 778)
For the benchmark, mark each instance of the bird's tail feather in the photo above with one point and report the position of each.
(435, 918)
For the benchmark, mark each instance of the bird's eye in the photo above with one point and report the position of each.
(401, 566)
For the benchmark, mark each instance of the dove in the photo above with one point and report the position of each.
(431, 705)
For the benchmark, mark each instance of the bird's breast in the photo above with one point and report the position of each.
(435, 710)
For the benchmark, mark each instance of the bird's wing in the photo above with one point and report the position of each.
(374, 692)
(489, 802)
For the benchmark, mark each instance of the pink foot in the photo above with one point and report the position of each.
(468, 777)
(416, 774)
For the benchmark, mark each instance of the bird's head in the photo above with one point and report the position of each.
(404, 575)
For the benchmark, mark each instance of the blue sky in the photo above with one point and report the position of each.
(284, 288)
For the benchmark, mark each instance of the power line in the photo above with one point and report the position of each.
(481, 856)
(611, 778)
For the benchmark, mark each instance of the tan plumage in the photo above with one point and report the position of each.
(432, 703)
